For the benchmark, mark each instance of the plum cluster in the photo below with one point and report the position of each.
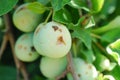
(51, 40)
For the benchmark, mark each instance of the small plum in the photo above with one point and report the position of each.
(52, 39)
(24, 48)
(84, 70)
(51, 67)
(24, 19)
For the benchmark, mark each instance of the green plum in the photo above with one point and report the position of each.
(51, 67)
(84, 70)
(52, 39)
(24, 19)
(24, 48)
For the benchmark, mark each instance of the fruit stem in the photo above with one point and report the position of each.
(48, 17)
(74, 47)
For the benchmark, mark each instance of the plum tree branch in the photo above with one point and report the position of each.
(3, 46)
(8, 36)
(70, 66)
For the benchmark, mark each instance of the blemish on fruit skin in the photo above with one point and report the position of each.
(79, 75)
(90, 67)
(37, 30)
(25, 48)
(33, 49)
(24, 37)
(60, 40)
(19, 46)
(30, 54)
(56, 28)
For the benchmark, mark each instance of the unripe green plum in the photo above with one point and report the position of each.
(24, 48)
(51, 67)
(24, 19)
(52, 39)
(84, 70)
(97, 5)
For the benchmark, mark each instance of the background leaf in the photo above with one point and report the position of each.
(37, 7)
(62, 16)
(59, 4)
(84, 36)
(7, 73)
(6, 6)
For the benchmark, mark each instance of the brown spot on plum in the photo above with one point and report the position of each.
(60, 30)
(89, 66)
(60, 40)
(25, 48)
(79, 75)
(24, 37)
(19, 46)
(33, 49)
(30, 54)
(38, 29)
(55, 28)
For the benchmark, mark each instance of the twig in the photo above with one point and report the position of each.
(9, 37)
(3, 46)
(70, 66)
(62, 75)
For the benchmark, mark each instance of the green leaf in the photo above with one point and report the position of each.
(79, 4)
(37, 7)
(113, 54)
(111, 35)
(109, 7)
(7, 73)
(84, 36)
(62, 16)
(114, 24)
(59, 4)
(44, 1)
(6, 6)
(88, 55)
(116, 72)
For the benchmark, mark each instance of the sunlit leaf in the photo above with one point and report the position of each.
(79, 4)
(37, 7)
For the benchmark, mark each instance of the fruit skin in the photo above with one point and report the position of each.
(97, 5)
(24, 49)
(24, 19)
(52, 39)
(51, 67)
(84, 70)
